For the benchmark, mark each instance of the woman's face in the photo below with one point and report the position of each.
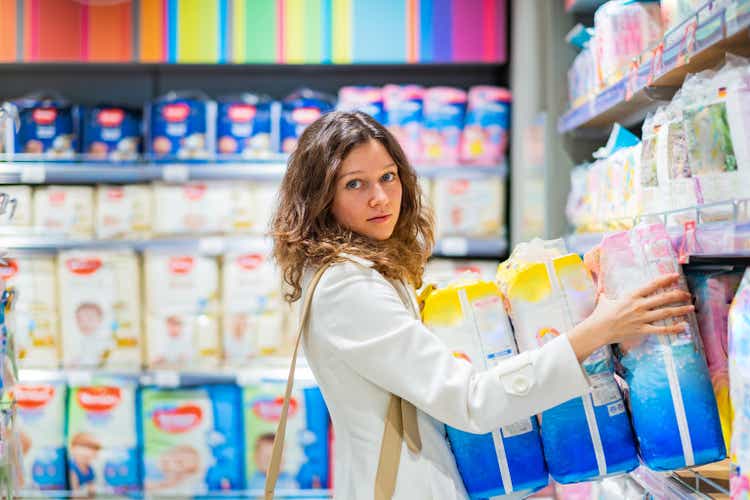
(367, 198)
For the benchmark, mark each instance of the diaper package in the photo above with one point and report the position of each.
(102, 439)
(35, 314)
(251, 302)
(469, 207)
(47, 127)
(549, 292)
(40, 416)
(23, 215)
(181, 126)
(739, 381)
(100, 309)
(713, 292)
(265, 198)
(245, 217)
(485, 135)
(244, 126)
(192, 440)
(363, 98)
(305, 458)
(195, 207)
(672, 402)
(65, 209)
(110, 133)
(404, 106)
(444, 110)
(123, 211)
(469, 317)
(673, 12)
(738, 116)
(182, 308)
(298, 111)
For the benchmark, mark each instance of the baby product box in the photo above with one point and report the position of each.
(110, 133)
(244, 126)
(469, 207)
(243, 216)
(265, 200)
(181, 126)
(304, 461)
(251, 302)
(192, 440)
(182, 308)
(672, 401)
(65, 209)
(196, 207)
(40, 414)
(298, 111)
(102, 439)
(363, 98)
(47, 127)
(123, 211)
(404, 105)
(485, 135)
(444, 110)
(35, 314)
(99, 295)
(469, 317)
(739, 374)
(23, 215)
(549, 292)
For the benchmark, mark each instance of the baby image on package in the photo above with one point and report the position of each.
(40, 413)
(192, 440)
(304, 463)
(99, 300)
(102, 439)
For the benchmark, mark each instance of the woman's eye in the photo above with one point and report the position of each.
(353, 184)
(390, 176)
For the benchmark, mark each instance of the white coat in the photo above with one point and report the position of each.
(365, 341)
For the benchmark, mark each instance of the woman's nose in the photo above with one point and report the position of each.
(378, 197)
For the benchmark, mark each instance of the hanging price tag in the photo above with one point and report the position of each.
(80, 378)
(176, 174)
(211, 246)
(33, 174)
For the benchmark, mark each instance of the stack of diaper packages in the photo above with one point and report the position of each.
(192, 440)
(469, 317)
(672, 401)
(739, 383)
(549, 291)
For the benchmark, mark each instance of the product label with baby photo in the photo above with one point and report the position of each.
(181, 129)
(123, 211)
(65, 210)
(196, 207)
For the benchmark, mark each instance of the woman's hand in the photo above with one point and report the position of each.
(631, 317)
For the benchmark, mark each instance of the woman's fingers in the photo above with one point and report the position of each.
(667, 313)
(659, 283)
(665, 329)
(665, 298)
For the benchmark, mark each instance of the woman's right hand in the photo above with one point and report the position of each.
(632, 316)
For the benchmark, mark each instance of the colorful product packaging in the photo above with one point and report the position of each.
(738, 116)
(485, 134)
(65, 209)
(40, 413)
(244, 126)
(444, 111)
(47, 127)
(123, 211)
(195, 207)
(110, 133)
(192, 440)
(180, 126)
(363, 98)
(404, 105)
(102, 439)
(182, 310)
(305, 458)
(469, 317)
(100, 308)
(23, 215)
(299, 110)
(739, 383)
(469, 207)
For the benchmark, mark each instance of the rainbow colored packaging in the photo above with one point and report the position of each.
(192, 440)
(40, 413)
(672, 401)
(298, 111)
(305, 459)
(549, 292)
(739, 376)
(110, 133)
(404, 106)
(365, 99)
(469, 317)
(47, 127)
(102, 440)
(180, 126)
(485, 135)
(244, 126)
(444, 111)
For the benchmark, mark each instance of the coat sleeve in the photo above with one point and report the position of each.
(361, 318)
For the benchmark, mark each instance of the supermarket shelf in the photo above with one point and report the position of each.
(467, 247)
(699, 43)
(661, 485)
(224, 495)
(270, 170)
(711, 479)
(583, 6)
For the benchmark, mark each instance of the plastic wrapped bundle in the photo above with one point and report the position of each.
(739, 375)
(671, 398)
(549, 292)
(469, 317)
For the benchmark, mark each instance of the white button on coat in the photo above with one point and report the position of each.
(365, 341)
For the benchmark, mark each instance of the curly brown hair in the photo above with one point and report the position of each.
(306, 235)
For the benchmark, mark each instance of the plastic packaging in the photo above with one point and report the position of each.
(444, 113)
(244, 126)
(299, 110)
(47, 127)
(673, 12)
(110, 132)
(65, 210)
(404, 106)
(739, 381)
(195, 207)
(582, 82)
(469, 207)
(487, 125)
(124, 211)
(363, 98)
(180, 126)
(469, 317)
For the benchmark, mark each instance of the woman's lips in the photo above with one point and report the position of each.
(380, 219)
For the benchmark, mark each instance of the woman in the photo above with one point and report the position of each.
(350, 197)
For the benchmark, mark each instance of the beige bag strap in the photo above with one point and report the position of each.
(393, 433)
